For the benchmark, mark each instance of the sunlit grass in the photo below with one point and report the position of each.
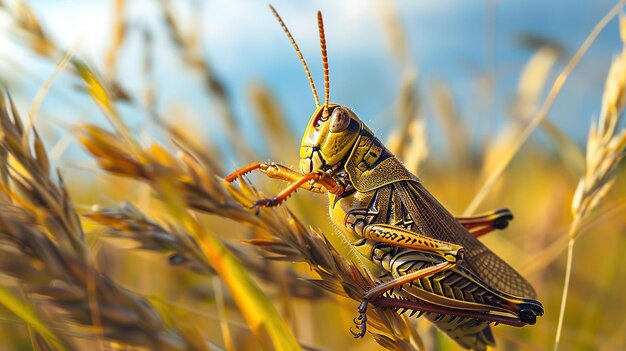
(171, 256)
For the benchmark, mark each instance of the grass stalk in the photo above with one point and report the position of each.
(542, 112)
(29, 316)
(568, 274)
(606, 147)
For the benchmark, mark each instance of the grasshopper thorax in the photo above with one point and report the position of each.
(328, 140)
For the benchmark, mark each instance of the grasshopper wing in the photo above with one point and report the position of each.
(411, 205)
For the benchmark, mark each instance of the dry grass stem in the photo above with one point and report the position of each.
(455, 129)
(606, 147)
(118, 35)
(42, 244)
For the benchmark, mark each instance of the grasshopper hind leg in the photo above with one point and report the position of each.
(376, 292)
(487, 222)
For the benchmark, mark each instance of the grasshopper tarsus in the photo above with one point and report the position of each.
(360, 321)
(361, 332)
(361, 327)
(275, 201)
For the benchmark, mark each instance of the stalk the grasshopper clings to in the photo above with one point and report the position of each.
(427, 261)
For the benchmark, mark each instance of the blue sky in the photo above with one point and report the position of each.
(457, 42)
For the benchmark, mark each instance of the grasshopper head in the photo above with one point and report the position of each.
(333, 129)
(328, 139)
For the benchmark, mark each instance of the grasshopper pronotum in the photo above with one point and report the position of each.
(429, 261)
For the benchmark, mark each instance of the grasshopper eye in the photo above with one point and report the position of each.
(339, 120)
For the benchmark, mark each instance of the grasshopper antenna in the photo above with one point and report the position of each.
(295, 46)
(320, 24)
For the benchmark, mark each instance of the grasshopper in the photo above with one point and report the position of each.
(428, 260)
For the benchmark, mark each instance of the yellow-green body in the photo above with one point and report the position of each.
(378, 189)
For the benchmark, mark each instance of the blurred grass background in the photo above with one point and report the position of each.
(450, 87)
